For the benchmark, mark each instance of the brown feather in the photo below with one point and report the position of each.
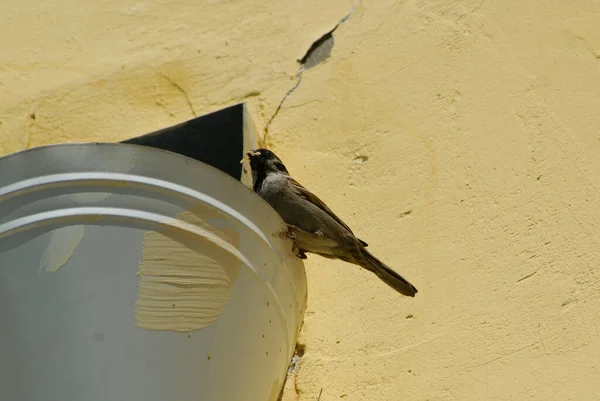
(309, 196)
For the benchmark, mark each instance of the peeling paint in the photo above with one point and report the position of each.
(318, 52)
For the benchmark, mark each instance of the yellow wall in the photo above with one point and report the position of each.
(461, 139)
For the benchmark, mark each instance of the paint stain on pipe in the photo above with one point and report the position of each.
(186, 282)
(61, 247)
(64, 241)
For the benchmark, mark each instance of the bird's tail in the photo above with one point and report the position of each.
(387, 275)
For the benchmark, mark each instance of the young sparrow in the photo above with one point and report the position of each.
(312, 225)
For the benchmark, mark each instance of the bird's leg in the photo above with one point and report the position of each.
(298, 252)
(294, 231)
(289, 232)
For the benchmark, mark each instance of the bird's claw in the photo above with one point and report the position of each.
(298, 252)
(289, 232)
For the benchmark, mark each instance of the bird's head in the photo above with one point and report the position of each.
(263, 161)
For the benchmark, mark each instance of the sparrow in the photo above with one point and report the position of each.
(311, 224)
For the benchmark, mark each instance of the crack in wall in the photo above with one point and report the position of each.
(589, 46)
(180, 90)
(318, 52)
(288, 93)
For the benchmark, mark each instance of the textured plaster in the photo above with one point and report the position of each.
(460, 139)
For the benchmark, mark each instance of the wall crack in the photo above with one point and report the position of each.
(180, 90)
(318, 52)
(288, 93)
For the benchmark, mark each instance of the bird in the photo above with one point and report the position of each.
(311, 224)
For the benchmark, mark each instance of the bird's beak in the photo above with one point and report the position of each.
(250, 155)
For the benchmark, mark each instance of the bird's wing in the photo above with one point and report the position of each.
(312, 198)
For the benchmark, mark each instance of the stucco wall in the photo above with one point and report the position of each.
(460, 139)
